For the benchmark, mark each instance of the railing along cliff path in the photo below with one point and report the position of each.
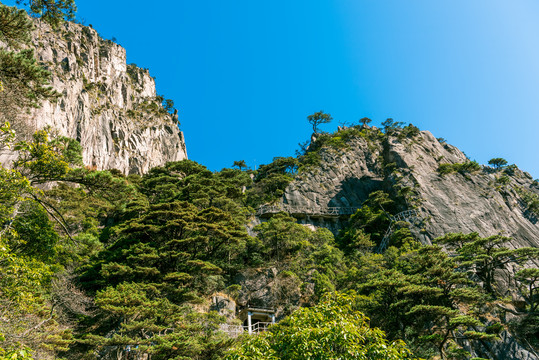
(305, 210)
(411, 216)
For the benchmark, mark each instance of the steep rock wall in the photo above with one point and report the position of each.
(449, 203)
(466, 202)
(107, 105)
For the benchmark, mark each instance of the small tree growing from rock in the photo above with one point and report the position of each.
(319, 118)
(529, 280)
(364, 121)
(498, 163)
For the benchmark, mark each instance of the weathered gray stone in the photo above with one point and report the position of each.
(110, 107)
(451, 203)
(470, 202)
(507, 348)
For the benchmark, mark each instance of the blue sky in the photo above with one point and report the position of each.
(245, 74)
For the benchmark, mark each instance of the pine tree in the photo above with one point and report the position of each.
(484, 256)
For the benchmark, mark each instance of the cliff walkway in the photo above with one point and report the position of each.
(411, 216)
(306, 211)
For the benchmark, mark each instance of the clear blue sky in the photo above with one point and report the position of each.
(245, 74)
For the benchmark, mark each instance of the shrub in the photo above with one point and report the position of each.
(445, 168)
(463, 168)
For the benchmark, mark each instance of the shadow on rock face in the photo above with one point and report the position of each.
(353, 191)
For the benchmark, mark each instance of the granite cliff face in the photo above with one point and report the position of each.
(110, 107)
(488, 201)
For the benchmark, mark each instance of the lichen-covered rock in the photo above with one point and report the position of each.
(110, 107)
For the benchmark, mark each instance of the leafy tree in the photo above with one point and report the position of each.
(280, 165)
(15, 26)
(20, 354)
(13, 190)
(44, 159)
(354, 241)
(162, 257)
(462, 168)
(441, 140)
(174, 246)
(330, 330)
(25, 83)
(36, 236)
(28, 240)
(510, 169)
(391, 126)
(421, 299)
(188, 181)
(148, 323)
(369, 223)
(319, 118)
(409, 132)
(168, 104)
(271, 180)
(30, 246)
(497, 162)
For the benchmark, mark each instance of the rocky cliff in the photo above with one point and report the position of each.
(110, 107)
(449, 192)
(449, 197)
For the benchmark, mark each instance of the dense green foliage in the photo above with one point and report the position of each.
(332, 329)
(150, 251)
(15, 26)
(96, 264)
(51, 11)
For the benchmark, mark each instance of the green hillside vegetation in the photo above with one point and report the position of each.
(143, 253)
(95, 263)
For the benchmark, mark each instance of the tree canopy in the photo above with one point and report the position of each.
(333, 329)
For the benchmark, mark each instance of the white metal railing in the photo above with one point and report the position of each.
(232, 330)
(237, 330)
(259, 327)
(304, 210)
(410, 216)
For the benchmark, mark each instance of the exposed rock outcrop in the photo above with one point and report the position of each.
(476, 199)
(507, 348)
(457, 202)
(110, 107)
